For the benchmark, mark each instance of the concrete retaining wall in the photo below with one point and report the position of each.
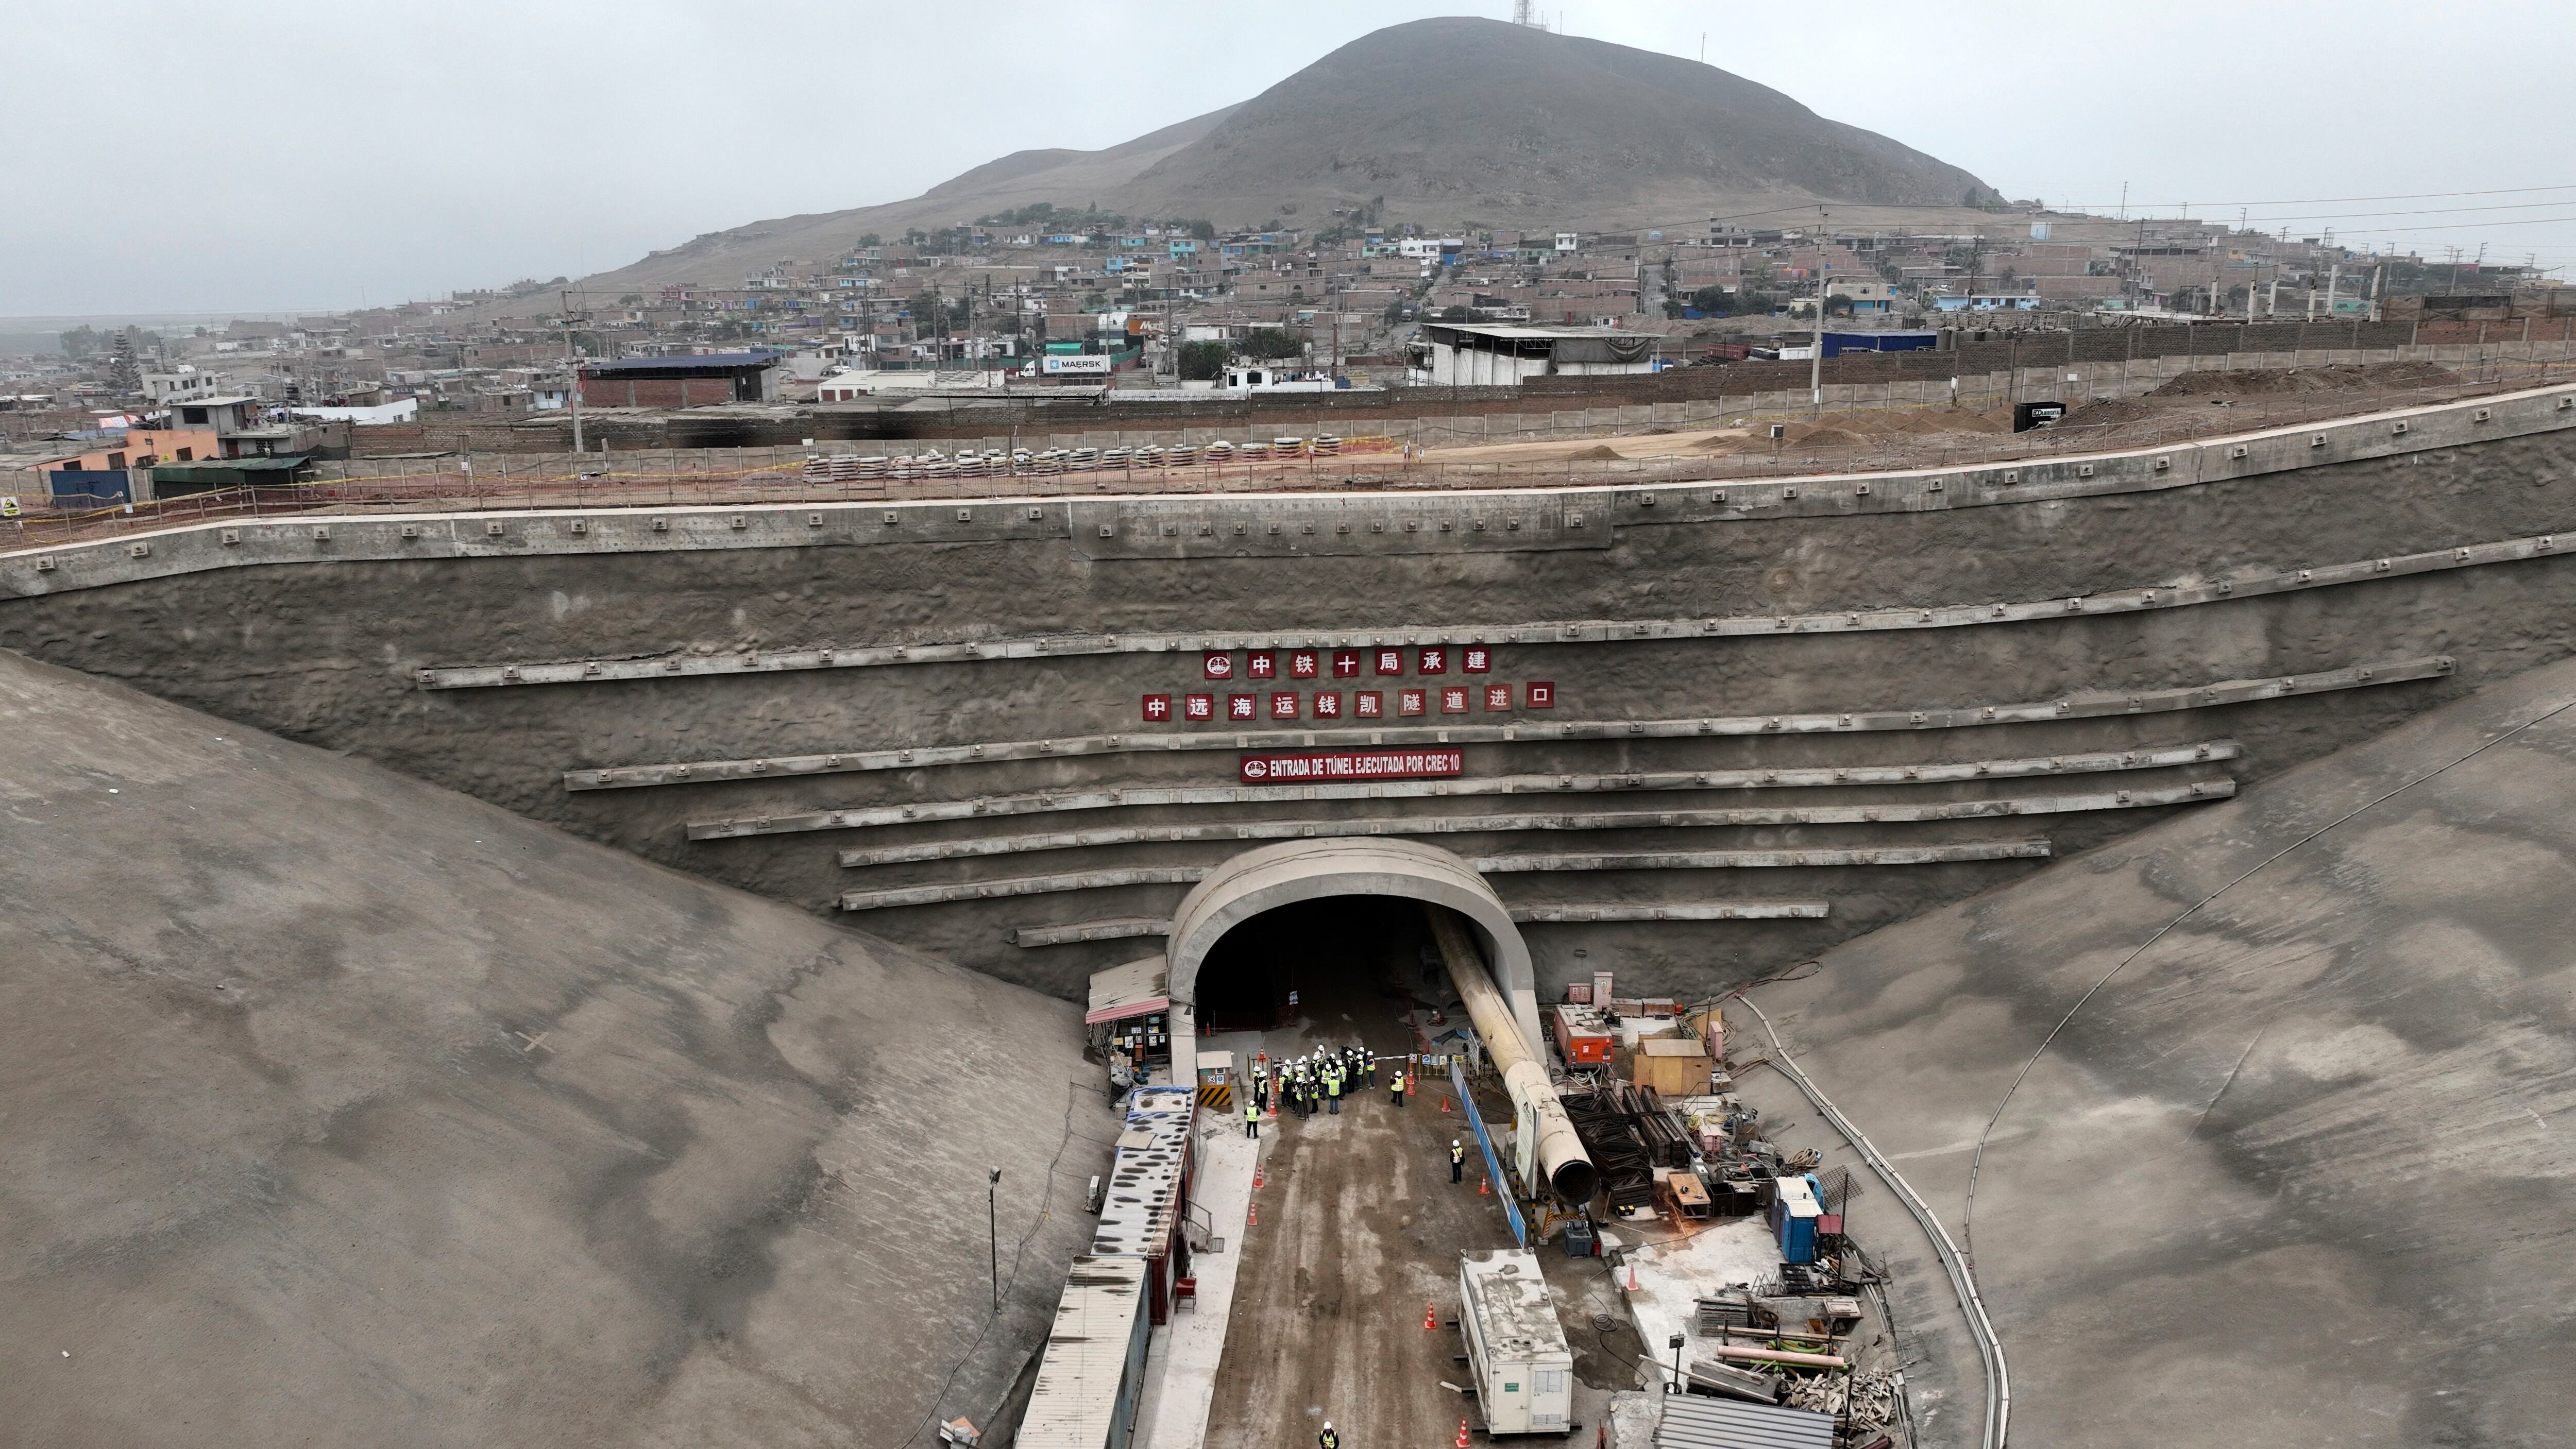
(816, 631)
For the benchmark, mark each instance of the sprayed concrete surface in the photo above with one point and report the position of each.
(336, 1108)
(326, 652)
(2297, 1170)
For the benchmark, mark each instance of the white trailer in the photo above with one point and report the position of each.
(1523, 1372)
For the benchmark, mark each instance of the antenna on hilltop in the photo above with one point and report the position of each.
(1521, 13)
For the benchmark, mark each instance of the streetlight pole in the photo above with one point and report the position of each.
(993, 1223)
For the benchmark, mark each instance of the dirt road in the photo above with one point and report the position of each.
(1359, 1229)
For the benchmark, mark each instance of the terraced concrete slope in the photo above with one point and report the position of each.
(336, 1108)
(2297, 1170)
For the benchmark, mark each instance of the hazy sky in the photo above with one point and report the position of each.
(172, 158)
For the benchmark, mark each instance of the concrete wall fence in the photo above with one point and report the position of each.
(1822, 703)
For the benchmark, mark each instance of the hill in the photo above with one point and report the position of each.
(348, 1110)
(2273, 1100)
(1446, 123)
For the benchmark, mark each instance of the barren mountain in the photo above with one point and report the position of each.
(1445, 123)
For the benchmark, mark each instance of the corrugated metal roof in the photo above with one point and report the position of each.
(1076, 1398)
(1692, 1422)
(1135, 989)
(1145, 1176)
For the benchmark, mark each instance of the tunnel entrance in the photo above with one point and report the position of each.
(1334, 956)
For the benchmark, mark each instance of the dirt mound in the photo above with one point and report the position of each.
(1594, 455)
(2108, 413)
(2338, 377)
(1827, 438)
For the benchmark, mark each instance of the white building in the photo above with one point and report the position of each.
(1567, 241)
(185, 385)
(1469, 354)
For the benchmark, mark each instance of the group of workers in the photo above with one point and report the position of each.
(1318, 1079)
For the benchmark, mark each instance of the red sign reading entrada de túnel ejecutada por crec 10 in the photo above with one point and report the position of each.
(1312, 766)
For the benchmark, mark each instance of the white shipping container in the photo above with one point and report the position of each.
(1523, 1371)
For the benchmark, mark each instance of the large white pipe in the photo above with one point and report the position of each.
(1539, 1123)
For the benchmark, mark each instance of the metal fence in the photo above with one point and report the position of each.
(1361, 464)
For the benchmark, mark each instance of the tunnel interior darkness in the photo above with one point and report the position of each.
(1320, 958)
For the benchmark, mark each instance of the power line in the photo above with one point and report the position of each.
(2335, 200)
(2436, 211)
(2436, 226)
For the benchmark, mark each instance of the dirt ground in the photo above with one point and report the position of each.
(1359, 1229)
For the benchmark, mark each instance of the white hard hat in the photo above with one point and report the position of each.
(1328, 1423)
(1453, 1141)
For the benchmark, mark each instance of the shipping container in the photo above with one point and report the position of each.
(1093, 1372)
(1148, 1195)
(1520, 1367)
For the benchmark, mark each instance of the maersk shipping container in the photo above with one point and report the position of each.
(1523, 1372)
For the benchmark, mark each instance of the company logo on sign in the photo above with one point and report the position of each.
(1314, 765)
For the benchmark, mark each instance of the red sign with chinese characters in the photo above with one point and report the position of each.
(1217, 666)
(1158, 708)
(1432, 660)
(1541, 694)
(1368, 704)
(1283, 705)
(1390, 661)
(1498, 698)
(1346, 664)
(1410, 701)
(1315, 765)
(1261, 664)
(1304, 664)
(1328, 704)
(1240, 706)
(1200, 707)
(1453, 701)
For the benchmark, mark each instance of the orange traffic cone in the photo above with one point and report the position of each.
(1444, 1104)
(1462, 1434)
(1484, 1187)
(1252, 1216)
(1632, 1275)
(1430, 1318)
(1256, 1177)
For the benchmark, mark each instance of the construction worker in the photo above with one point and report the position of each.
(1368, 1067)
(1333, 1089)
(1328, 1439)
(1395, 1085)
(1251, 1118)
(1457, 1160)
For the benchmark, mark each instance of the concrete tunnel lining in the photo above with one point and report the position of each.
(1305, 870)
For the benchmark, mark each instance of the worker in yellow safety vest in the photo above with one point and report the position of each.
(1395, 1085)
(1457, 1160)
(1251, 1117)
(1333, 1088)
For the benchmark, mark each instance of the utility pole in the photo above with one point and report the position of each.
(1816, 361)
(572, 377)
